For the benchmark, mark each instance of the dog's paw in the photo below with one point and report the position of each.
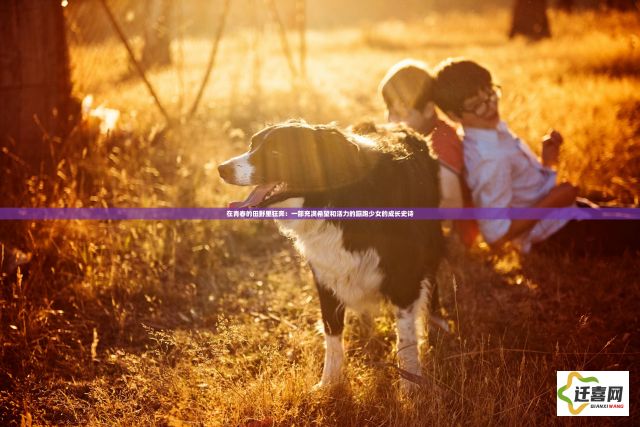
(319, 387)
(324, 386)
(335, 385)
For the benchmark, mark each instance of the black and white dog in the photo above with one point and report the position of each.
(355, 263)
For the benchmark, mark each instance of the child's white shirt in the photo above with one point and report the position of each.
(502, 172)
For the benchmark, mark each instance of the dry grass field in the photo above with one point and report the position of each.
(181, 323)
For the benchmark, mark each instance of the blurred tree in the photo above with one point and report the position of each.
(622, 4)
(566, 5)
(35, 85)
(157, 35)
(530, 19)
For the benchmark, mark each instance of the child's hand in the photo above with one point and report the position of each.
(551, 148)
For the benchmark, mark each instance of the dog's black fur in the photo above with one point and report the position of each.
(368, 167)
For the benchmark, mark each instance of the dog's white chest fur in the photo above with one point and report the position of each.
(354, 277)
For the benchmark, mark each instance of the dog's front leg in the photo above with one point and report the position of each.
(333, 322)
(407, 320)
(407, 343)
(408, 317)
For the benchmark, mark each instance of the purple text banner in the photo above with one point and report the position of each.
(118, 214)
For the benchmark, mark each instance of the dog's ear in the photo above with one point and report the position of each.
(331, 135)
(258, 137)
(353, 155)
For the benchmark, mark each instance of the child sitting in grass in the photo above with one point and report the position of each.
(407, 90)
(502, 172)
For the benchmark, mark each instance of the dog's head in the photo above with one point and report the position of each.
(293, 159)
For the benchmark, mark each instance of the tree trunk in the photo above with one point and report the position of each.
(566, 5)
(35, 84)
(530, 19)
(621, 4)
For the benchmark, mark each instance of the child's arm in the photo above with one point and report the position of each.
(562, 195)
(551, 148)
(451, 193)
(489, 180)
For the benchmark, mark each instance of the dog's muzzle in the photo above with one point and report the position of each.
(226, 171)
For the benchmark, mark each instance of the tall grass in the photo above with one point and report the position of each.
(215, 323)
